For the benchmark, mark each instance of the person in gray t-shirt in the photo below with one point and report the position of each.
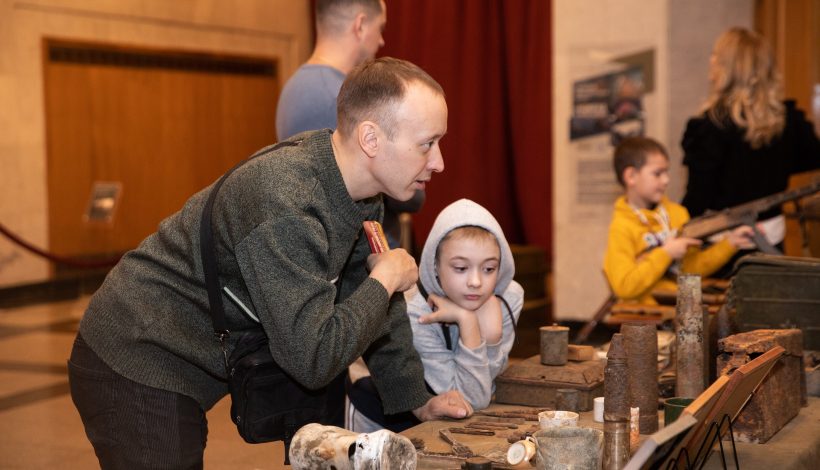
(348, 32)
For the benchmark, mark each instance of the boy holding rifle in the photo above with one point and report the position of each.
(644, 251)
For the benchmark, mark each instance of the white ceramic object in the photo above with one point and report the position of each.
(598, 409)
(521, 451)
(552, 419)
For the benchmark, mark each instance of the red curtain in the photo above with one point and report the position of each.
(492, 57)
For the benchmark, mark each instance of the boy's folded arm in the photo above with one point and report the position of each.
(466, 370)
(497, 353)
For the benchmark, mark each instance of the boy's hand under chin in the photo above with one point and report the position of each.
(444, 311)
(475, 326)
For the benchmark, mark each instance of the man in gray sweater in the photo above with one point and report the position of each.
(287, 231)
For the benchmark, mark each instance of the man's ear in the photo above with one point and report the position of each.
(358, 24)
(368, 137)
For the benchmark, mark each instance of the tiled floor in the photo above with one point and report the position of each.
(39, 426)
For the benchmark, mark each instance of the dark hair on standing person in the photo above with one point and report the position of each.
(332, 15)
(371, 90)
(632, 152)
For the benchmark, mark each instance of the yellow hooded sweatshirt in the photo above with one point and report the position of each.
(635, 264)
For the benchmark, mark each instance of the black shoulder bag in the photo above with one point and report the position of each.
(266, 403)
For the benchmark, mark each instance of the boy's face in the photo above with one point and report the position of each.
(468, 270)
(646, 186)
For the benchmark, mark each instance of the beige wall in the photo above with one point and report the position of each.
(269, 28)
(586, 37)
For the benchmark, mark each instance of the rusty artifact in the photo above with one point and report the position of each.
(616, 406)
(778, 399)
(531, 383)
(477, 463)
(459, 449)
(567, 399)
(616, 381)
(689, 334)
(641, 344)
(554, 342)
(616, 444)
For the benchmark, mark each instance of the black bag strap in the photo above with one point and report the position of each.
(207, 252)
(445, 328)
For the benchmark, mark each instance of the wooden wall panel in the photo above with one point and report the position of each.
(163, 130)
(792, 27)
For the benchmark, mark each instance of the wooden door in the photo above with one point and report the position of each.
(163, 124)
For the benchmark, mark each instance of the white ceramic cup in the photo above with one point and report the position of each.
(551, 419)
(598, 409)
(521, 451)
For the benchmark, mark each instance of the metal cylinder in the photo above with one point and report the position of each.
(478, 463)
(641, 344)
(689, 334)
(567, 399)
(554, 342)
(616, 444)
(616, 381)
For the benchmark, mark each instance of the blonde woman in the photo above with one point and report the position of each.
(746, 141)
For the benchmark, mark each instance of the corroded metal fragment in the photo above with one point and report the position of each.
(641, 344)
(616, 381)
(554, 342)
(689, 334)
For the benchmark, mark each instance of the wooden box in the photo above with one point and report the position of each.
(531, 383)
(781, 394)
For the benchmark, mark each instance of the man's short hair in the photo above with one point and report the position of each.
(632, 152)
(371, 90)
(332, 16)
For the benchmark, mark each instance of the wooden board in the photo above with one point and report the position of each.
(699, 409)
(738, 390)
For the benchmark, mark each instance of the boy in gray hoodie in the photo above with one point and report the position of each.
(464, 327)
(462, 312)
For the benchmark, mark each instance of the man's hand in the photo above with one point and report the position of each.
(447, 405)
(395, 269)
(677, 246)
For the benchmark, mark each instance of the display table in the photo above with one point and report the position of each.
(796, 446)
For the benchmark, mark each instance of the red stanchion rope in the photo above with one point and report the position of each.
(79, 263)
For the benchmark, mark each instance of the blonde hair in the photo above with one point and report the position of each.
(746, 86)
(466, 232)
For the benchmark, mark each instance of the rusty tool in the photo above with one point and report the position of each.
(459, 449)
(473, 431)
(492, 425)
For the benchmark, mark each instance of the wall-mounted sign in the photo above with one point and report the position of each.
(103, 201)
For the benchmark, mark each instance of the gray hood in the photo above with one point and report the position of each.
(459, 214)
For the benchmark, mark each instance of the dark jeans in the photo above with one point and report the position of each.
(134, 426)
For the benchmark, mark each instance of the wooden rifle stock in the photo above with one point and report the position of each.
(744, 214)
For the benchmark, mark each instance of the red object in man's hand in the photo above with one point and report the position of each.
(375, 236)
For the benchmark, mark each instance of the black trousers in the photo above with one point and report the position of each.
(134, 426)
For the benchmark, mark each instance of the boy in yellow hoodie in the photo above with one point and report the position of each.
(643, 251)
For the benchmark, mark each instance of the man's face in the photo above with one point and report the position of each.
(468, 270)
(647, 186)
(406, 162)
(372, 29)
